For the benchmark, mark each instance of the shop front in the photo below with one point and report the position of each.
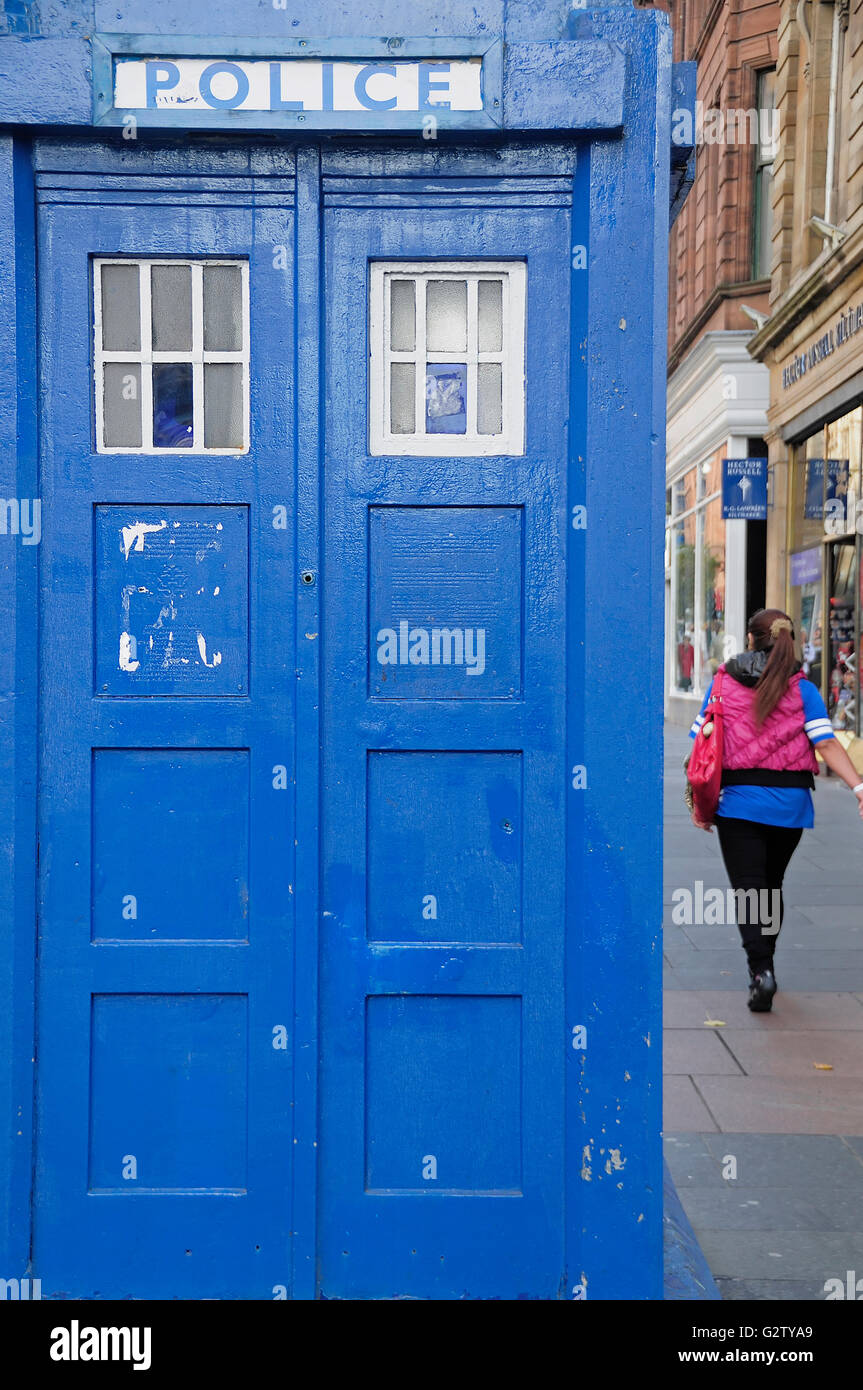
(814, 531)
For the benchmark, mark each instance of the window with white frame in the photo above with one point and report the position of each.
(447, 357)
(171, 356)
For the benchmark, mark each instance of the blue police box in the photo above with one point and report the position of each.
(333, 477)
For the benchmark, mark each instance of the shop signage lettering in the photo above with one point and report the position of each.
(805, 567)
(744, 489)
(304, 84)
(847, 325)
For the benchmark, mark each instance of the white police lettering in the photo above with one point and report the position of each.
(285, 85)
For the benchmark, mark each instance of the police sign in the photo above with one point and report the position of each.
(205, 84)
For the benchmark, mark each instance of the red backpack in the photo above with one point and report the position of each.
(704, 771)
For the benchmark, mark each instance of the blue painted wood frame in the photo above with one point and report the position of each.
(19, 565)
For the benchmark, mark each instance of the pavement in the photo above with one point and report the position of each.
(764, 1112)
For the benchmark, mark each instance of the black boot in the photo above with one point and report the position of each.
(762, 987)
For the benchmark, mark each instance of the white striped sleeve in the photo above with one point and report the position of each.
(817, 723)
(818, 730)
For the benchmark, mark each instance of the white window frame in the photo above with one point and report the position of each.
(510, 441)
(146, 357)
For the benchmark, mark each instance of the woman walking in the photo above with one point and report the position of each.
(772, 718)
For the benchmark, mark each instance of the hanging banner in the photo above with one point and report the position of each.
(744, 489)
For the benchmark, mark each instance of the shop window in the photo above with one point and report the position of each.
(824, 590)
(696, 558)
(447, 358)
(171, 356)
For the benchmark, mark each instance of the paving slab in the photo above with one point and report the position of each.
(790, 1054)
(690, 1051)
(770, 1290)
(689, 1160)
(791, 1160)
(754, 1104)
(738, 1208)
(791, 1010)
(794, 1255)
(683, 1107)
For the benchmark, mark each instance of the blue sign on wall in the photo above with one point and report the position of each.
(817, 497)
(744, 489)
(805, 566)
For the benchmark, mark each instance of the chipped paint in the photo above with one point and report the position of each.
(126, 661)
(586, 1159)
(202, 648)
(133, 536)
(614, 1163)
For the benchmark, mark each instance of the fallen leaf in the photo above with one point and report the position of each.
(714, 1023)
(823, 1066)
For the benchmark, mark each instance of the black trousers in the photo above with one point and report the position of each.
(756, 857)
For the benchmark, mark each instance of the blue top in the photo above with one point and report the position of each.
(788, 806)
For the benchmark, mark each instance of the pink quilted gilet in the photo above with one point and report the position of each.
(780, 743)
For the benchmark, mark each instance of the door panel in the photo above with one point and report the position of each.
(442, 1012)
(164, 1121)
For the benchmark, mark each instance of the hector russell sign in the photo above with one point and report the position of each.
(849, 323)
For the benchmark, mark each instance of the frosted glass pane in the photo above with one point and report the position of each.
(223, 308)
(403, 320)
(489, 400)
(171, 290)
(121, 406)
(121, 309)
(446, 315)
(490, 315)
(223, 405)
(402, 398)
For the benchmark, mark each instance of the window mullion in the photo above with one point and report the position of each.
(146, 358)
(421, 364)
(198, 437)
(472, 342)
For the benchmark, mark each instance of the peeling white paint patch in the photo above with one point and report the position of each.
(133, 536)
(126, 662)
(586, 1171)
(614, 1163)
(217, 591)
(202, 648)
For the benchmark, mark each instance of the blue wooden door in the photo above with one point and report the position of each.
(443, 1037)
(164, 1105)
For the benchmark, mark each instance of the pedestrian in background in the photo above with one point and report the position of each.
(772, 719)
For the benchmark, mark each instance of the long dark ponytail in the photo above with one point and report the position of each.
(772, 631)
